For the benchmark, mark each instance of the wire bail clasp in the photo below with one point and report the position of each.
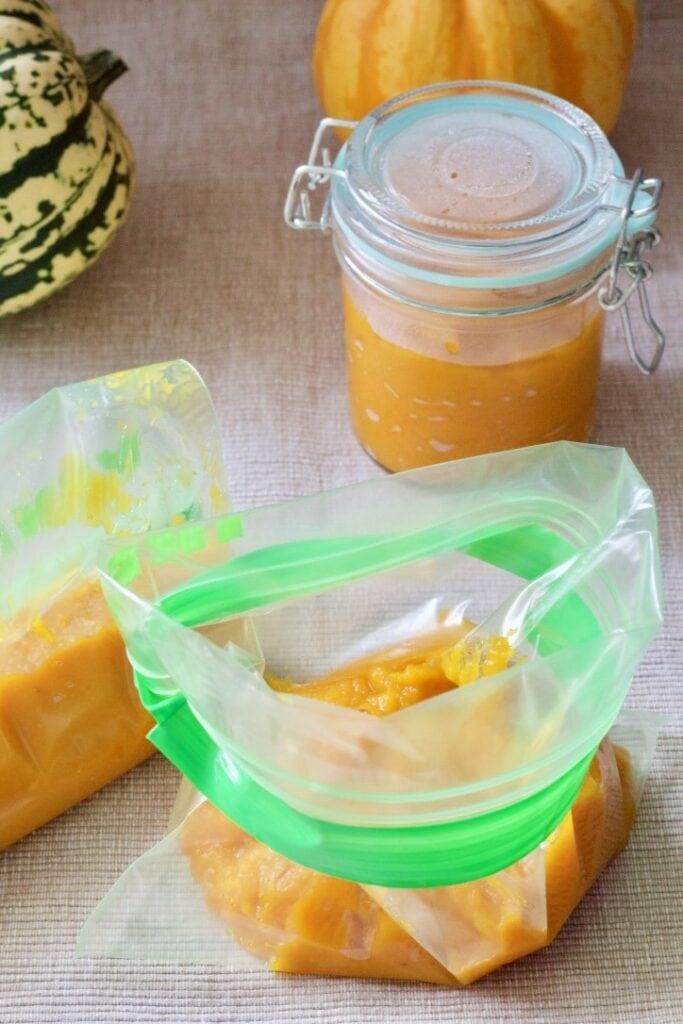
(628, 256)
(318, 170)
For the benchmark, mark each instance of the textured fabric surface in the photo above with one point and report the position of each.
(220, 108)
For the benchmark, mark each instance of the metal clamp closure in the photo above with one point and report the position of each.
(628, 256)
(317, 171)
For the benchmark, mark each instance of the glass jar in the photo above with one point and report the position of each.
(480, 228)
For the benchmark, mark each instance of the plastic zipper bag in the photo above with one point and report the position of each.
(210, 893)
(124, 454)
(548, 554)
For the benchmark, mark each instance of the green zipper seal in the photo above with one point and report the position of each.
(408, 857)
(404, 857)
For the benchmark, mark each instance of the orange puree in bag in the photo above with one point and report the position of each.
(301, 921)
(70, 717)
(411, 409)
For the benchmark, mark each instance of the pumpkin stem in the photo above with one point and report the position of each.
(102, 67)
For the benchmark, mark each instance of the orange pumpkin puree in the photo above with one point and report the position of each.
(304, 922)
(70, 717)
(409, 409)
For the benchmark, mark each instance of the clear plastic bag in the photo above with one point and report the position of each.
(550, 550)
(210, 893)
(120, 455)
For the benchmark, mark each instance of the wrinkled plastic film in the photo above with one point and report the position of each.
(476, 926)
(583, 617)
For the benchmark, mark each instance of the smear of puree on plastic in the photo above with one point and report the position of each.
(301, 921)
(80, 493)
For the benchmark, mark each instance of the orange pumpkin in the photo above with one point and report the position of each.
(367, 51)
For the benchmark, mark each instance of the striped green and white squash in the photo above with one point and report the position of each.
(66, 166)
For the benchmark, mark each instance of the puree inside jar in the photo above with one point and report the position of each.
(303, 922)
(410, 408)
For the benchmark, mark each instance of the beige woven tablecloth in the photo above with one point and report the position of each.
(220, 107)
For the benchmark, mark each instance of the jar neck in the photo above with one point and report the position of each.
(437, 294)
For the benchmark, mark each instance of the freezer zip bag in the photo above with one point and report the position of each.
(116, 456)
(211, 893)
(403, 688)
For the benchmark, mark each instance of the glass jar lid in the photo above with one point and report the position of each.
(482, 185)
(484, 198)
(480, 161)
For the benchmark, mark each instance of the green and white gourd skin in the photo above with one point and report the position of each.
(66, 166)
